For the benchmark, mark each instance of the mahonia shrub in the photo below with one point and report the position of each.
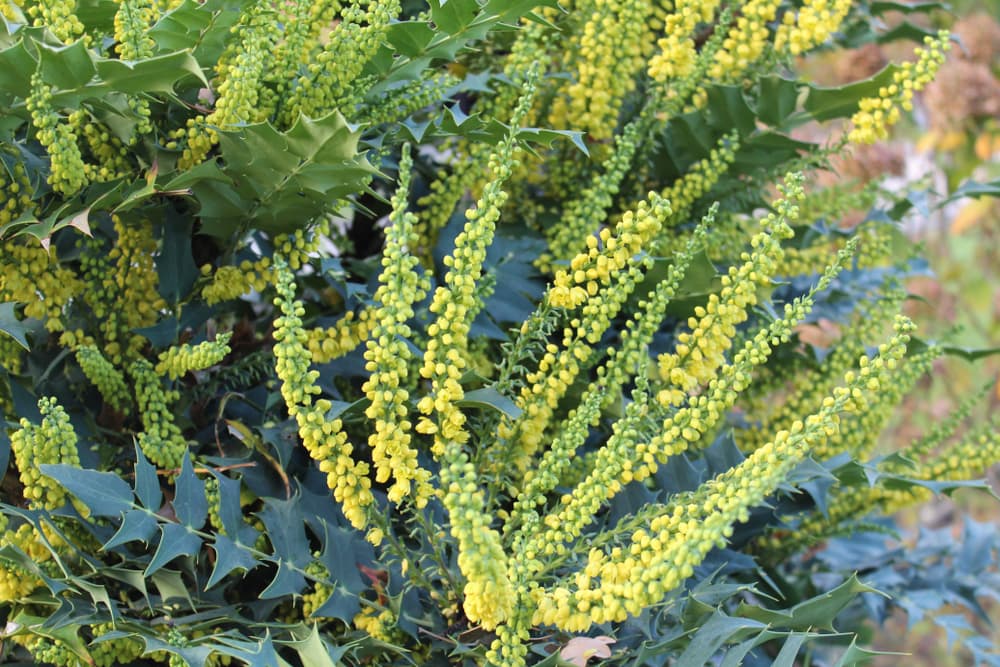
(470, 332)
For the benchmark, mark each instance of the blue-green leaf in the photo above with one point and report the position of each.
(137, 525)
(190, 504)
(175, 540)
(147, 485)
(229, 556)
(104, 493)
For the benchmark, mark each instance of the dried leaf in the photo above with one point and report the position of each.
(580, 650)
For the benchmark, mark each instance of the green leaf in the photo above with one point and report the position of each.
(777, 99)
(175, 264)
(175, 540)
(842, 101)
(489, 397)
(10, 325)
(718, 630)
(137, 525)
(282, 181)
(817, 612)
(147, 485)
(153, 75)
(315, 651)
(190, 504)
(410, 37)
(17, 65)
(880, 7)
(202, 27)
(452, 16)
(66, 67)
(229, 556)
(104, 493)
(972, 188)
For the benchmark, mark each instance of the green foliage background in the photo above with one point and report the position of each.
(188, 519)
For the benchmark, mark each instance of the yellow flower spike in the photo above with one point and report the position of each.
(488, 596)
(183, 359)
(811, 26)
(387, 356)
(625, 456)
(714, 325)
(161, 441)
(607, 255)
(608, 57)
(876, 115)
(584, 214)
(678, 54)
(67, 173)
(326, 444)
(108, 379)
(350, 331)
(684, 531)
(333, 75)
(53, 441)
(746, 40)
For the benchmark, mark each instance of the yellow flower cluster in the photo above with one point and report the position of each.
(700, 352)
(610, 53)
(559, 367)
(59, 16)
(117, 651)
(127, 297)
(811, 25)
(109, 154)
(161, 440)
(324, 439)
(15, 193)
(624, 458)
(240, 72)
(33, 276)
(377, 623)
(387, 355)
(183, 359)
(15, 581)
(54, 441)
(67, 174)
(350, 331)
(775, 410)
(678, 55)
(619, 367)
(132, 22)
(877, 114)
(623, 581)
(108, 379)
(488, 595)
(861, 437)
(607, 254)
(333, 79)
(227, 283)
(745, 41)
(586, 212)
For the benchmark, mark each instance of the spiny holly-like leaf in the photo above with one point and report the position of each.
(842, 101)
(281, 181)
(175, 540)
(190, 504)
(13, 327)
(147, 485)
(104, 493)
(229, 556)
(817, 612)
(137, 525)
